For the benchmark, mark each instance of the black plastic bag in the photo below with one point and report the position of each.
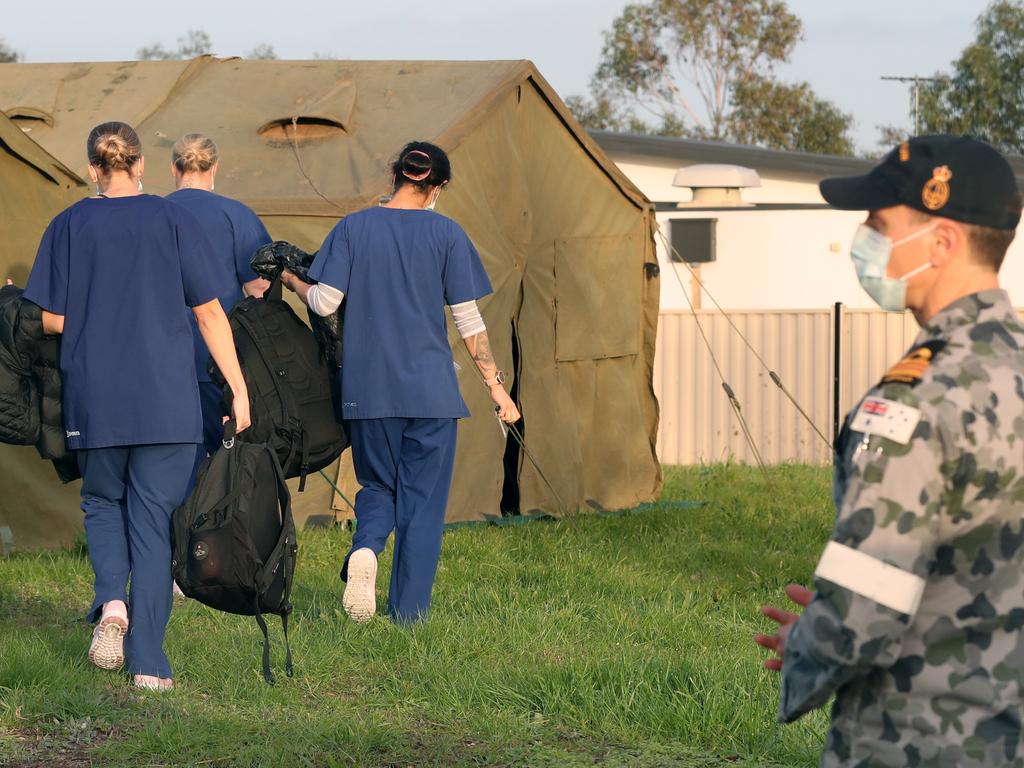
(269, 261)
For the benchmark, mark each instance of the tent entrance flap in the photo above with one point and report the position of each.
(510, 496)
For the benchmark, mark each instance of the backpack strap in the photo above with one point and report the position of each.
(304, 459)
(286, 541)
(267, 674)
(287, 647)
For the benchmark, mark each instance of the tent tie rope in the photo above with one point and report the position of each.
(517, 435)
(298, 160)
(776, 379)
(729, 393)
(529, 454)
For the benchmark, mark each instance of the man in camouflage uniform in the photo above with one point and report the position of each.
(917, 619)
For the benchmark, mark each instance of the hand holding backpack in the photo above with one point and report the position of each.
(234, 545)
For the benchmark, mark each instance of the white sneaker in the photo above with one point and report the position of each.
(360, 598)
(107, 648)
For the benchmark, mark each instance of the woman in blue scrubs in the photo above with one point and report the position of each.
(114, 274)
(399, 265)
(234, 232)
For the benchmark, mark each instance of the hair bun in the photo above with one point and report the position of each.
(113, 147)
(416, 165)
(194, 152)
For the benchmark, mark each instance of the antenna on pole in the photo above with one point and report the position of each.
(916, 80)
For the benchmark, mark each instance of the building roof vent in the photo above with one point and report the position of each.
(716, 185)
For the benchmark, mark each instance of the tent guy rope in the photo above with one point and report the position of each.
(776, 379)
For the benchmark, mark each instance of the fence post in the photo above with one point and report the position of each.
(837, 366)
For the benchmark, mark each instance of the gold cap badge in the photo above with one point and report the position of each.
(904, 151)
(936, 190)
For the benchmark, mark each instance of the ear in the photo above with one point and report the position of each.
(213, 169)
(142, 166)
(174, 172)
(94, 175)
(949, 240)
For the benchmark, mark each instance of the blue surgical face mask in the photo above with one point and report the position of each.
(870, 252)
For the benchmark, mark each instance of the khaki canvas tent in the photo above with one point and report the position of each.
(34, 186)
(566, 238)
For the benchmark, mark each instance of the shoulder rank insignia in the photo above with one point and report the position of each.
(910, 370)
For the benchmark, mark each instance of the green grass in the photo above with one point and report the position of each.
(617, 640)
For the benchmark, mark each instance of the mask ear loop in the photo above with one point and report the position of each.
(916, 271)
(915, 235)
(927, 265)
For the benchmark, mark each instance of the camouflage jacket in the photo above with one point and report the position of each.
(917, 622)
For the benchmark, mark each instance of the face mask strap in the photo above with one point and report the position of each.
(916, 235)
(916, 271)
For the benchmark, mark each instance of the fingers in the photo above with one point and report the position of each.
(799, 594)
(778, 615)
(772, 643)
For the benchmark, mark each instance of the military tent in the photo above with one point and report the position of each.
(565, 236)
(34, 186)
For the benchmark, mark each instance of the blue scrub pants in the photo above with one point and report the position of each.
(128, 496)
(405, 469)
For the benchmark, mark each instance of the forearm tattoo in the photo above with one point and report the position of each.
(481, 352)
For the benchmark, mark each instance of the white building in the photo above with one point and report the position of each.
(785, 249)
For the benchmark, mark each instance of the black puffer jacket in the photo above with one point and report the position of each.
(31, 411)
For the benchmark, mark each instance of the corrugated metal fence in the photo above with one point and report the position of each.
(697, 421)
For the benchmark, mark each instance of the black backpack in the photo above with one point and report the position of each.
(234, 545)
(290, 384)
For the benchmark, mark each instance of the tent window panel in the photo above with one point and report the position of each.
(598, 297)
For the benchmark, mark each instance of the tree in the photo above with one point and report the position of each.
(262, 51)
(194, 43)
(984, 95)
(787, 117)
(702, 68)
(8, 55)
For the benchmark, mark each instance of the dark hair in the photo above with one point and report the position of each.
(423, 165)
(113, 147)
(988, 245)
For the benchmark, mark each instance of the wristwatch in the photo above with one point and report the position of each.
(499, 378)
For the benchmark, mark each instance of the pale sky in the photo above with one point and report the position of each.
(847, 46)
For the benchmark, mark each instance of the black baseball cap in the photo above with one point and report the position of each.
(956, 177)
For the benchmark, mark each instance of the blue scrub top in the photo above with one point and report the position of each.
(235, 232)
(398, 269)
(121, 271)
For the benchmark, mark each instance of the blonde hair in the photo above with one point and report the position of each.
(113, 146)
(194, 152)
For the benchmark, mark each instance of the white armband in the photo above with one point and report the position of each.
(870, 577)
(323, 299)
(468, 321)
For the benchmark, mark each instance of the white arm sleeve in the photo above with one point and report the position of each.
(324, 300)
(468, 321)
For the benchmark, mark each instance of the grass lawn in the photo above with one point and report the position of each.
(619, 640)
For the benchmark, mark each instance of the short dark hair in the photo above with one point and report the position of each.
(423, 165)
(988, 244)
